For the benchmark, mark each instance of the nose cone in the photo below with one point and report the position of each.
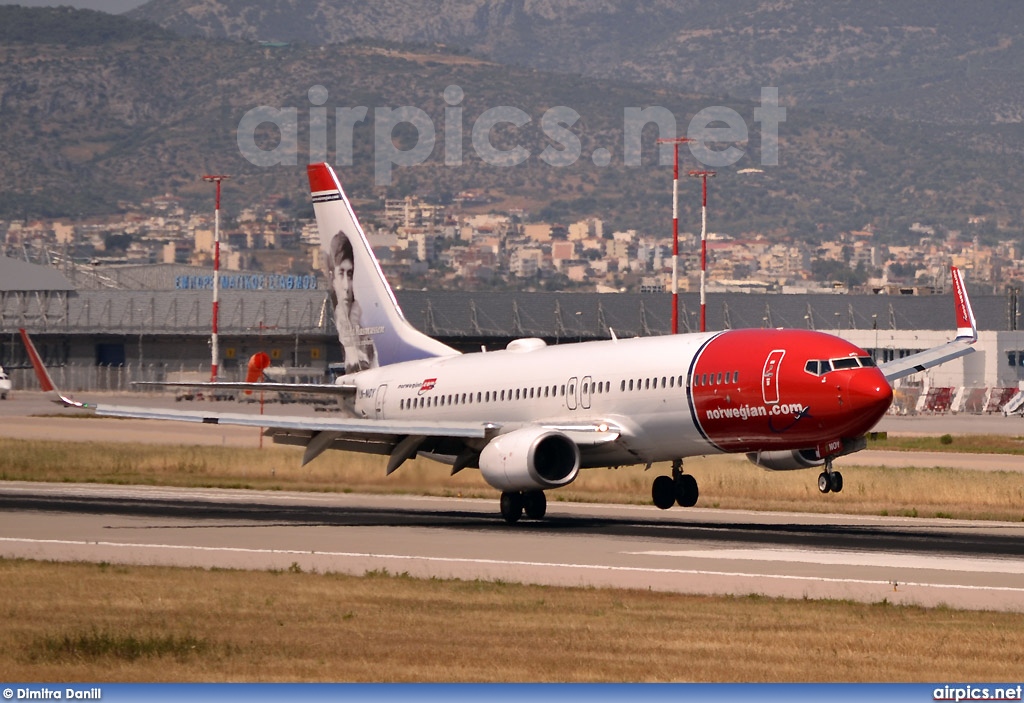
(869, 396)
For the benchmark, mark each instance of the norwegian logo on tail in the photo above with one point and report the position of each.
(371, 327)
(966, 326)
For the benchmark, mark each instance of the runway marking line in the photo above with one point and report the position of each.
(850, 558)
(498, 562)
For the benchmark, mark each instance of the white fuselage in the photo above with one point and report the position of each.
(665, 397)
(639, 385)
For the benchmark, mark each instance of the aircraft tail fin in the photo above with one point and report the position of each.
(371, 327)
(45, 380)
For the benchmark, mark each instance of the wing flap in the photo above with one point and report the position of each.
(354, 426)
(310, 388)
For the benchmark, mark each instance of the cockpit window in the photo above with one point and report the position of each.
(820, 367)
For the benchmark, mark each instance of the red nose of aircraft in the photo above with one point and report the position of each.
(869, 397)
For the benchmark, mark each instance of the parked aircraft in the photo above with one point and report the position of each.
(531, 416)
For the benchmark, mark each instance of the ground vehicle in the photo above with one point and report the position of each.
(5, 384)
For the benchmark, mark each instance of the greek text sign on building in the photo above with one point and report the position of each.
(248, 281)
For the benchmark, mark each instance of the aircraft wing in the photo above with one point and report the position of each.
(298, 422)
(899, 368)
(316, 434)
(966, 335)
(341, 389)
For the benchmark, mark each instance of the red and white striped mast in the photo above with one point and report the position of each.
(214, 348)
(703, 175)
(675, 142)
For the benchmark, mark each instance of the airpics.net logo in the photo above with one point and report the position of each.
(717, 134)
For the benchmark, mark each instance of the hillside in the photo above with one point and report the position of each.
(90, 125)
(902, 58)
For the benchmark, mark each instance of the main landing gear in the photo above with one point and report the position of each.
(829, 480)
(514, 503)
(680, 488)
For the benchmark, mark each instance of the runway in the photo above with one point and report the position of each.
(914, 561)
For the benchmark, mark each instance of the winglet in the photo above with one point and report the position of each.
(966, 326)
(966, 335)
(45, 382)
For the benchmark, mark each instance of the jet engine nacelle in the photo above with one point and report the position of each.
(530, 459)
(786, 460)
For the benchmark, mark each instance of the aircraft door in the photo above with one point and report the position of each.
(586, 389)
(378, 400)
(570, 393)
(770, 376)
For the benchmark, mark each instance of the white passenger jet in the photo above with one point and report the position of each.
(531, 416)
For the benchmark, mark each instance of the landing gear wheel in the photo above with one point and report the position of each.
(686, 490)
(535, 503)
(835, 482)
(824, 483)
(663, 492)
(511, 506)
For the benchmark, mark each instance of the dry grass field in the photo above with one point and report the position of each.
(725, 481)
(974, 444)
(81, 622)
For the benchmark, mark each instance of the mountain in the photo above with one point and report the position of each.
(91, 125)
(930, 60)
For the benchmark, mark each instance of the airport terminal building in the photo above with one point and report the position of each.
(104, 327)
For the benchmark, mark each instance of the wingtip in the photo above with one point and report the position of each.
(46, 383)
(966, 325)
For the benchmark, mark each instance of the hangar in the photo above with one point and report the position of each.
(104, 327)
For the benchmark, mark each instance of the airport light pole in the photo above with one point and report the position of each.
(214, 349)
(675, 142)
(704, 176)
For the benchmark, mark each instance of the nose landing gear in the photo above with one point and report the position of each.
(829, 480)
(679, 488)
